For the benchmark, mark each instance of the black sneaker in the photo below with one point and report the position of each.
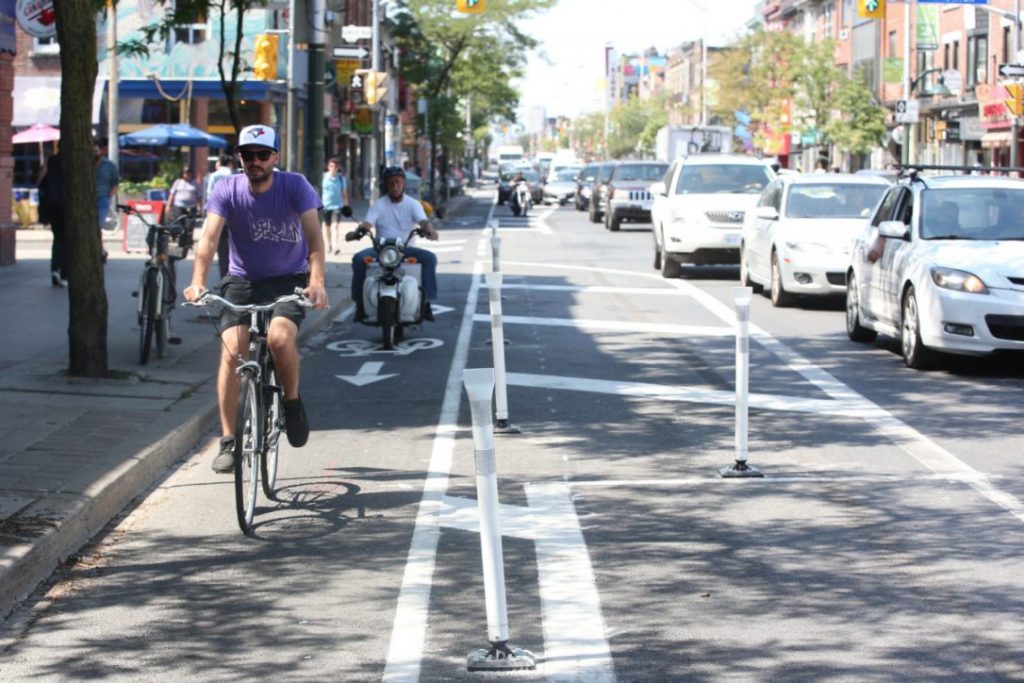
(428, 313)
(295, 423)
(224, 463)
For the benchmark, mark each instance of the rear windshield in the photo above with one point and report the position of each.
(833, 200)
(722, 178)
(588, 172)
(650, 172)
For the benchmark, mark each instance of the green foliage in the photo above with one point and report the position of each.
(454, 60)
(860, 123)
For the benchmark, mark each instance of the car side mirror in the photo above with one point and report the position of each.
(768, 213)
(658, 188)
(897, 229)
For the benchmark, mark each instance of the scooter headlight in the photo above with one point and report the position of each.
(389, 257)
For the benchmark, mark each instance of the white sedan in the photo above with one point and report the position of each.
(797, 239)
(941, 267)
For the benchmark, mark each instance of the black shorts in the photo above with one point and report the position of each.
(238, 290)
(331, 216)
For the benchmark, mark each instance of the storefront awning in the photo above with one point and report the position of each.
(997, 139)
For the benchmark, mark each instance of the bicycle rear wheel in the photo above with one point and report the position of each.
(147, 322)
(163, 323)
(274, 420)
(248, 435)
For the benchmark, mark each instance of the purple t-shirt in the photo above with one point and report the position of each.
(264, 229)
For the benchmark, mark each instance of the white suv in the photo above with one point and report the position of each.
(699, 208)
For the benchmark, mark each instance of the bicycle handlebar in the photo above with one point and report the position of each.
(208, 297)
(175, 226)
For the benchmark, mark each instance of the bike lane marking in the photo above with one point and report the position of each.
(408, 635)
(915, 444)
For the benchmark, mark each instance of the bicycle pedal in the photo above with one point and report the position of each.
(174, 340)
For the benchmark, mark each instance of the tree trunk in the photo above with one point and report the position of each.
(87, 297)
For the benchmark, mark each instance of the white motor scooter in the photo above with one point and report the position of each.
(521, 199)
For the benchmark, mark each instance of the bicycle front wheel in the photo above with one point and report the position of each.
(248, 437)
(274, 420)
(147, 321)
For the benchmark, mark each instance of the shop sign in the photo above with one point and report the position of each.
(37, 18)
(992, 108)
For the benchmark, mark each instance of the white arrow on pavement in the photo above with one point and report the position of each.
(368, 374)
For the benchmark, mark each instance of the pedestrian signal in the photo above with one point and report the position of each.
(871, 9)
(1015, 101)
(264, 64)
(471, 6)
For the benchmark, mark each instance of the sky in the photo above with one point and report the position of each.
(573, 35)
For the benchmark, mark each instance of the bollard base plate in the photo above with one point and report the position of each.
(506, 427)
(740, 470)
(500, 658)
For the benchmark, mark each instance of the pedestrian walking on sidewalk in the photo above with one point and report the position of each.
(51, 212)
(274, 225)
(225, 167)
(107, 179)
(334, 195)
(184, 195)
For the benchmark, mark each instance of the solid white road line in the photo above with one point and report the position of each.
(616, 325)
(575, 641)
(408, 633)
(685, 394)
(599, 289)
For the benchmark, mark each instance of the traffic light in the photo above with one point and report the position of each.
(375, 86)
(471, 6)
(1015, 101)
(264, 63)
(871, 9)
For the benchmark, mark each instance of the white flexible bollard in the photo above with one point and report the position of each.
(479, 385)
(501, 421)
(495, 253)
(742, 297)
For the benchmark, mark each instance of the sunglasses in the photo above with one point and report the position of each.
(249, 155)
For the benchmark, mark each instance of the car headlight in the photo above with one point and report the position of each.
(809, 247)
(958, 280)
(389, 257)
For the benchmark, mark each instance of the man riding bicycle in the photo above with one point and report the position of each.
(394, 215)
(275, 246)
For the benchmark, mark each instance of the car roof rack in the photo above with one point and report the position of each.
(912, 169)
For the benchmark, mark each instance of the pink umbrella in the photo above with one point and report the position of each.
(39, 132)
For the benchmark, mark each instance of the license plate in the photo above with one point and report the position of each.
(732, 240)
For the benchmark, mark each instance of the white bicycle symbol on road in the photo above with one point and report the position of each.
(354, 348)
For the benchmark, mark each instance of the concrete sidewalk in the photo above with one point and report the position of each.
(75, 452)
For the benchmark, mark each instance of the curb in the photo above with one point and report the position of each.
(27, 566)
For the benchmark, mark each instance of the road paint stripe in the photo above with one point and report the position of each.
(575, 638)
(462, 513)
(646, 291)
(408, 634)
(768, 479)
(684, 394)
(617, 325)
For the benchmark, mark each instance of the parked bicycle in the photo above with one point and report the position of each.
(260, 419)
(167, 243)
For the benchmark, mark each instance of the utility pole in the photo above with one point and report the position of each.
(291, 130)
(317, 45)
(112, 85)
(374, 136)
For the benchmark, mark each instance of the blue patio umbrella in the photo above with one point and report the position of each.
(171, 135)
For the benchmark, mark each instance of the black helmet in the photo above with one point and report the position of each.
(392, 172)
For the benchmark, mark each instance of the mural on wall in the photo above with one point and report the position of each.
(174, 59)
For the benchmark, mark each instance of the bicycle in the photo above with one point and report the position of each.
(167, 243)
(260, 419)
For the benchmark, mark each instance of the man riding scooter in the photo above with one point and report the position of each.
(519, 197)
(393, 215)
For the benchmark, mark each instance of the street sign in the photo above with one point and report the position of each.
(907, 111)
(350, 52)
(1011, 70)
(352, 33)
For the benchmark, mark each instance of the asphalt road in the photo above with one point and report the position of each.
(884, 542)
